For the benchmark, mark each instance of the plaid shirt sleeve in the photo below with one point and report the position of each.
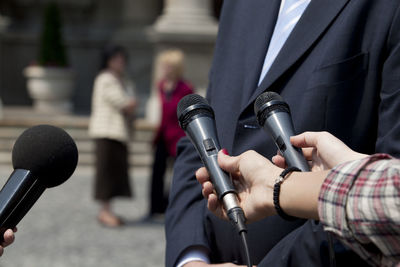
(359, 202)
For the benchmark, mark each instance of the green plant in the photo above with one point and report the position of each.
(52, 51)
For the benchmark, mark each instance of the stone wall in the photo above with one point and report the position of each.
(91, 24)
(88, 26)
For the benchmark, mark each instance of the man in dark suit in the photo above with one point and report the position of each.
(339, 71)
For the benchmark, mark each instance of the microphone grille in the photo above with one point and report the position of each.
(268, 103)
(265, 98)
(191, 105)
(48, 152)
(188, 101)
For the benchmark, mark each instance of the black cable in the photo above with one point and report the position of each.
(237, 218)
(246, 248)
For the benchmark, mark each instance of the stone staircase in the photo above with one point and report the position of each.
(16, 120)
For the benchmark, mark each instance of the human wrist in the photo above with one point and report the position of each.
(299, 194)
(267, 206)
(277, 191)
(287, 196)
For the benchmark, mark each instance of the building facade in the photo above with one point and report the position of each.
(144, 27)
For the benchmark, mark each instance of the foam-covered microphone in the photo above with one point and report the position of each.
(273, 114)
(196, 118)
(43, 156)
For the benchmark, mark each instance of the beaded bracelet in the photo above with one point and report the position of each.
(277, 190)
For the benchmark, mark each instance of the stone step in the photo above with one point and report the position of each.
(140, 160)
(12, 133)
(26, 117)
(140, 153)
(16, 120)
(87, 146)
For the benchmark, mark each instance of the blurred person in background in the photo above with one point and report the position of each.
(113, 109)
(171, 87)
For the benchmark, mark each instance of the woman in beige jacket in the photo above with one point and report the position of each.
(113, 107)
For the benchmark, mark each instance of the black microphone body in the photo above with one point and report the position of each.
(196, 118)
(17, 197)
(273, 114)
(43, 156)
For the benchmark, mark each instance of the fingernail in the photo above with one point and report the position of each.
(225, 151)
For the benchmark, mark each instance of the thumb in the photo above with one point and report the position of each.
(228, 163)
(279, 161)
(306, 139)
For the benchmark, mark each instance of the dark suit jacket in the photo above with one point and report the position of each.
(339, 71)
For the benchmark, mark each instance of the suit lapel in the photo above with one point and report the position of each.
(315, 20)
(260, 29)
(253, 24)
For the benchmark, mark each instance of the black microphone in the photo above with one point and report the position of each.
(273, 114)
(196, 118)
(43, 156)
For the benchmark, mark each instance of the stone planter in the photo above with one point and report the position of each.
(50, 88)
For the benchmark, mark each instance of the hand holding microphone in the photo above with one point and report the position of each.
(321, 149)
(273, 114)
(253, 176)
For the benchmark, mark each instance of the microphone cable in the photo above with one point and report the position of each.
(246, 248)
(238, 220)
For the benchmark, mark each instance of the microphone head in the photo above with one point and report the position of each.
(190, 106)
(48, 152)
(267, 103)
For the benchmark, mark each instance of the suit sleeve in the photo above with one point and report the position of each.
(389, 109)
(184, 218)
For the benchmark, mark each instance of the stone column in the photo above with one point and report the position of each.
(189, 26)
(186, 17)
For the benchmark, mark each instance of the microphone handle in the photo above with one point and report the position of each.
(202, 133)
(17, 197)
(13, 191)
(294, 158)
(280, 127)
(24, 205)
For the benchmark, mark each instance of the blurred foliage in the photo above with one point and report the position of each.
(52, 51)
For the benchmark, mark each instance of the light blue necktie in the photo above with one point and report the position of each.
(289, 14)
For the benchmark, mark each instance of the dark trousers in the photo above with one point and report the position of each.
(112, 177)
(158, 200)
